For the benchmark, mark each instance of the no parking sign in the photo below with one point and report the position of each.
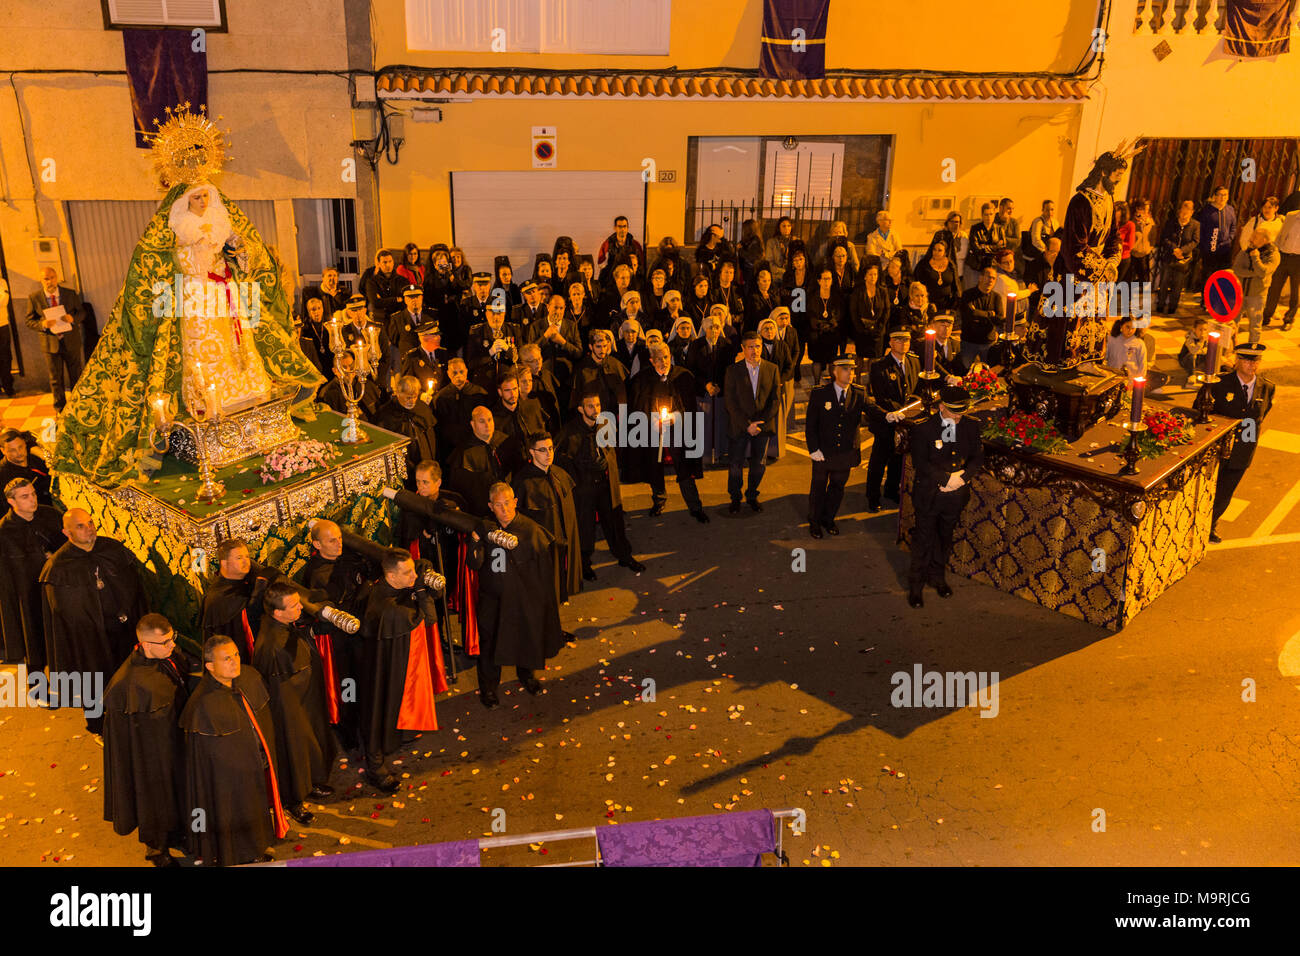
(1223, 296)
(544, 142)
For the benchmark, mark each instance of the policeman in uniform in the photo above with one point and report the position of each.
(1244, 394)
(832, 424)
(428, 362)
(893, 378)
(947, 454)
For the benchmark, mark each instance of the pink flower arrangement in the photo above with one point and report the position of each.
(296, 458)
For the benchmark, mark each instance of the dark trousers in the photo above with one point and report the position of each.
(1287, 270)
(1224, 488)
(884, 462)
(596, 505)
(1173, 280)
(744, 446)
(6, 360)
(936, 519)
(489, 675)
(685, 483)
(66, 359)
(826, 492)
(1212, 262)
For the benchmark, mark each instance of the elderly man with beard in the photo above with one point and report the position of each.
(478, 464)
(454, 404)
(593, 466)
(665, 394)
(519, 616)
(92, 590)
(515, 418)
(405, 414)
(601, 372)
(29, 535)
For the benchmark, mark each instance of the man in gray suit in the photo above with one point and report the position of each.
(752, 393)
(62, 349)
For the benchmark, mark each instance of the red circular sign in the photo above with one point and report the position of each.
(543, 150)
(1223, 288)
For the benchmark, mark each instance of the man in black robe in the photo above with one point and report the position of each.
(91, 591)
(546, 388)
(602, 371)
(657, 389)
(545, 494)
(454, 404)
(398, 665)
(21, 462)
(232, 796)
(405, 414)
(232, 602)
(515, 418)
(343, 577)
(286, 656)
(144, 749)
(29, 535)
(597, 496)
(518, 614)
(313, 337)
(477, 465)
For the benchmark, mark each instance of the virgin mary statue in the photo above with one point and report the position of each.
(203, 305)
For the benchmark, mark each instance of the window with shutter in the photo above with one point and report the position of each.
(121, 14)
(539, 26)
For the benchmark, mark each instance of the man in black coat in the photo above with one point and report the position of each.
(518, 610)
(558, 337)
(541, 389)
(313, 337)
(21, 462)
(752, 393)
(599, 370)
(428, 362)
(398, 674)
(356, 329)
(404, 324)
(478, 464)
(659, 388)
(831, 425)
(29, 535)
(285, 655)
(545, 494)
(593, 465)
(515, 418)
(232, 602)
(92, 590)
(892, 380)
(1180, 245)
(454, 404)
(1246, 395)
(531, 311)
(231, 787)
(493, 346)
(947, 454)
(405, 414)
(470, 312)
(49, 309)
(382, 286)
(947, 357)
(144, 749)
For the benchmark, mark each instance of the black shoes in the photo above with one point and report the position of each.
(831, 528)
(943, 590)
(815, 530)
(914, 598)
(159, 857)
(588, 574)
(1286, 325)
(657, 509)
(633, 565)
(301, 814)
(1214, 537)
(700, 516)
(488, 699)
(873, 507)
(387, 783)
(755, 507)
(532, 685)
(321, 791)
(734, 507)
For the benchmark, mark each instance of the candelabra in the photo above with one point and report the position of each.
(352, 381)
(202, 404)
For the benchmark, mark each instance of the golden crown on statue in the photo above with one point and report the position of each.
(188, 147)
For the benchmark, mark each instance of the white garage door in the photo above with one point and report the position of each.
(519, 214)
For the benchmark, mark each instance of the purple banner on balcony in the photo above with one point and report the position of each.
(164, 70)
(462, 853)
(728, 839)
(794, 39)
(1258, 28)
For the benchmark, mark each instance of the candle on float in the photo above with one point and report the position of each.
(929, 350)
(210, 393)
(1010, 324)
(159, 403)
(1139, 387)
(1212, 354)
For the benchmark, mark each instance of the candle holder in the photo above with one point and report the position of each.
(928, 389)
(352, 382)
(205, 411)
(1131, 451)
(1204, 401)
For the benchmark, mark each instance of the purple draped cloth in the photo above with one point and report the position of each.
(164, 70)
(462, 853)
(727, 839)
(1258, 28)
(785, 54)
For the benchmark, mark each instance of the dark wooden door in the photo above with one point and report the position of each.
(1169, 171)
